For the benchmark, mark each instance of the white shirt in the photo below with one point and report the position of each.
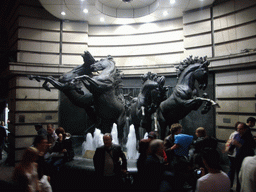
(210, 182)
(231, 137)
(247, 174)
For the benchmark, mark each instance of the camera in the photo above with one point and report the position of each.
(197, 172)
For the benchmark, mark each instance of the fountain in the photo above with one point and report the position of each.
(92, 142)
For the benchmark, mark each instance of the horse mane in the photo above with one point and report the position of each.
(190, 61)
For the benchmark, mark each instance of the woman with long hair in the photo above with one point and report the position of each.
(25, 174)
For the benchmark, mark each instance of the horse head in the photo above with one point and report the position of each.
(103, 64)
(193, 69)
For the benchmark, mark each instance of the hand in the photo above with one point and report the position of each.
(236, 143)
(64, 150)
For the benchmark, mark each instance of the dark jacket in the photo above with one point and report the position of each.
(99, 159)
(153, 173)
(65, 144)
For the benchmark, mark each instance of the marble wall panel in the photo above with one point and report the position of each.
(247, 76)
(230, 91)
(75, 37)
(148, 61)
(22, 130)
(197, 28)
(23, 142)
(246, 90)
(226, 49)
(223, 134)
(39, 23)
(226, 120)
(34, 34)
(72, 59)
(36, 106)
(26, 57)
(228, 106)
(246, 15)
(75, 26)
(137, 50)
(27, 93)
(223, 36)
(136, 28)
(224, 8)
(37, 117)
(247, 106)
(74, 48)
(197, 41)
(136, 39)
(227, 77)
(53, 94)
(196, 16)
(224, 22)
(201, 52)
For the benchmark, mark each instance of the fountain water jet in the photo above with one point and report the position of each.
(132, 152)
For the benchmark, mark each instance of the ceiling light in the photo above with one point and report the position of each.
(63, 13)
(85, 10)
(172, 1)
(165, 13)
(102, 19)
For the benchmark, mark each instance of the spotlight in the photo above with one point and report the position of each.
(127, 1)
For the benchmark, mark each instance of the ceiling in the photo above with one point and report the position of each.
(100, 12)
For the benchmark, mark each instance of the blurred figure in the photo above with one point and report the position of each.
(25, 174)
(62, 151)
(41, 144)
(169, 141)
(107, 164)
(232, 155)
(144, 150)
(216, 180)
(153, 174)
(247, 175)
(40, 130)
(51, 135)
(250, 122)
(3, 135)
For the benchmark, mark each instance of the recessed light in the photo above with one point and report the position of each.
(63, 13)
(165, 13)
(172, 1)
(102, 19)
(85, 10)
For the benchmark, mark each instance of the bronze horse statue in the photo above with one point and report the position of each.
(103, 87)
(185, 96)
(146, 104)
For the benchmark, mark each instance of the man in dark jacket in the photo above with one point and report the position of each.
(107, 166)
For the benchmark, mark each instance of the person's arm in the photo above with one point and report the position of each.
(175, 146)
(124, 161)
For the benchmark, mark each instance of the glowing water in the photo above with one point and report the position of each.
(132, 152)
(92, 142)
(114, 134)
(97, 139)
(88, 143)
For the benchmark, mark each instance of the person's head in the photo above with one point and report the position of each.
(38, 126)
(251, 121)
(152, 135)
(156, 147)
(30, 155)
(41, 143)
(237, 123)
(50, 129)
(200, 132)
(107, 139)
(241, 128)
(60, 131)
(176, 129)
(211, 158)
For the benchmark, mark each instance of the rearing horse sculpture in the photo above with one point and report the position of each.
(103, 87)
(185, 96)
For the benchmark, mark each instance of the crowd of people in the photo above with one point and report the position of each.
(177, 163)
(42, 161)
